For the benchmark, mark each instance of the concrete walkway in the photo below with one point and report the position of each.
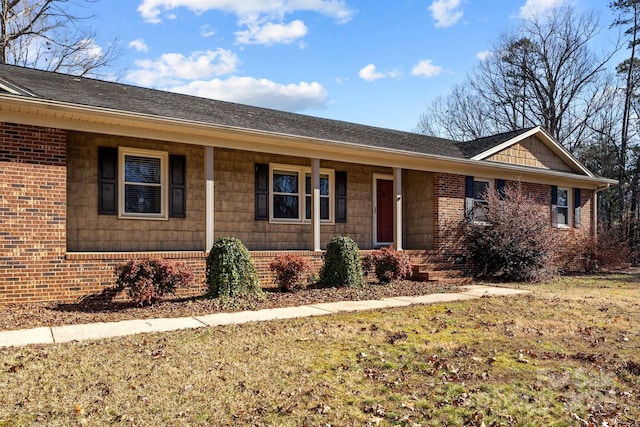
(93, 331)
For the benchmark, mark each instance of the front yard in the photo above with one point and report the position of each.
(567, 354)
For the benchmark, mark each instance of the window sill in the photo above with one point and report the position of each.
(297, 221)
(145, 217)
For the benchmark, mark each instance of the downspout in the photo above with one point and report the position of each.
(595, 208)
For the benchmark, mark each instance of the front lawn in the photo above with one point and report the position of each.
(567, 354)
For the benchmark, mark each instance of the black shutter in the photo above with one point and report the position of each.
(177, 186)
(262, 192)
(468, 197)
(500, 188)
(107, 181)
(577, 203)
(554, 204)
(341, 196)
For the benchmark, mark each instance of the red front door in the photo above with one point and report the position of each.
(384, 211)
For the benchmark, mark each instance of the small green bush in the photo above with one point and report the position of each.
(388, 264)
(146, 281)
(230, 271)
(342, 265)
(290, 270)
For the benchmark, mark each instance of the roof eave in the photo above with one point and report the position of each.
(123, 123)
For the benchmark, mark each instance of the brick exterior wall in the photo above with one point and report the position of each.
(48, 213)
(449, 192)
(448, 211)
(32, 213)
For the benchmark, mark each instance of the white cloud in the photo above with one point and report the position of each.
(269, 34)
(206, 31)
(259, 92)
(370, 74)
(152, 10)
(262, 20)
(139, 45)
(484, 55)
(174, 68)
(445, 12)
(197, 74)
(426, 68)
(534, 7)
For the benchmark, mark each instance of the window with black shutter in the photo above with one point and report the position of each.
(138, 183)
(177, 186)
(341, 196)
(107, 181)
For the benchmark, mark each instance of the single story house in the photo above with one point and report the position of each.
(93, 173)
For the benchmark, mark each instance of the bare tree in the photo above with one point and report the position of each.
(541, 73)
(629, 19)
(45, 34)
(459, 116)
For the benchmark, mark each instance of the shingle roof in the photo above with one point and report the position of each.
(472, 148)
(97, 93)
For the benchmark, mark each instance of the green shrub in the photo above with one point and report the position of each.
(342, 265)
(290, 270)
(230, 271)
(388, 264)
(146, 281)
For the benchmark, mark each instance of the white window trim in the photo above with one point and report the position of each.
(569, 209)
(491, 187)
(164, 183)
(301, 171)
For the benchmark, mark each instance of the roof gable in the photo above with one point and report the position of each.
(531, 152)
(532, 148)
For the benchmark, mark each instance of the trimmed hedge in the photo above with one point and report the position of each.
(230, 271)
(342, 266)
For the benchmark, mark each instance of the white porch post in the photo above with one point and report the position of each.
(397, 209)
(315, 204)
(208, 173)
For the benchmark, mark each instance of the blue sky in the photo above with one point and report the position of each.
(375, 62)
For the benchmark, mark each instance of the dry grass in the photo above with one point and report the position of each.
(565, 355)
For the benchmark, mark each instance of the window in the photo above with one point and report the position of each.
(477, 205)
(286, 195)
(563, 207)
(291, 189)
(325, 199)
(143, 183)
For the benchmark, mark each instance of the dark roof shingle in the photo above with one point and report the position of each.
(126, 98)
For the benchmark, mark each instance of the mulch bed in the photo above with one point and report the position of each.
(20, 316)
